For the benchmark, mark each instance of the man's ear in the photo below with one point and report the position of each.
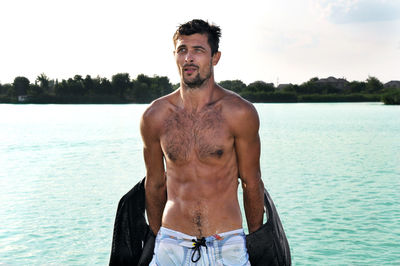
(216, 58)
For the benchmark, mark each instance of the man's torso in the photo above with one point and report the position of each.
(201, 165)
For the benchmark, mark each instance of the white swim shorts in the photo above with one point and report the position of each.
(176, 248)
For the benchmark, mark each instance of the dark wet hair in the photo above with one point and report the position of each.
(200, 26)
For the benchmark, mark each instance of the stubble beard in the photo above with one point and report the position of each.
(197, 81)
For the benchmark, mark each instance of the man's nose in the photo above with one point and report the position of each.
(189, 57)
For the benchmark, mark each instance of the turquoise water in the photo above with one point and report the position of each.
(333, 171)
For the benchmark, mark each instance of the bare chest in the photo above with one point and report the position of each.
(195, 135)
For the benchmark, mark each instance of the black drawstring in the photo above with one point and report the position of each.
(196, 246)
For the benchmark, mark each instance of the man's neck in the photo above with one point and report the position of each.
(194, 99)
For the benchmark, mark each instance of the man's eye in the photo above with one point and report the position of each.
(182, 50)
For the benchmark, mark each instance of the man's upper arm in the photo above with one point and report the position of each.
(247, 144)
(152, 152)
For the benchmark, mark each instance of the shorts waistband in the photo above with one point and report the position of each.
(183, 236)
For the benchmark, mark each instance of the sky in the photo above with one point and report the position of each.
(287, 41)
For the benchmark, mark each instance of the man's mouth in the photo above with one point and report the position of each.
(189, 69)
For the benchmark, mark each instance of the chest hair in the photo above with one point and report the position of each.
(198, 132)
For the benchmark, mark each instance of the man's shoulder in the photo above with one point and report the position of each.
(239, 113)
(155, 114)
(235, 105)
(158, 108)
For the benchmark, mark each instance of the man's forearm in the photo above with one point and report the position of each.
(156, 197)
(254, 205)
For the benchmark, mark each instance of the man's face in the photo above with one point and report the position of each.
(194, 60)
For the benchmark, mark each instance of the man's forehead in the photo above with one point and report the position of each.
(194, 39)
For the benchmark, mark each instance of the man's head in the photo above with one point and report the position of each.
(213, 32)
(196, 52)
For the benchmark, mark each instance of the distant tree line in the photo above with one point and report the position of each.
(120, 89)
(317, 90)
(144, 89)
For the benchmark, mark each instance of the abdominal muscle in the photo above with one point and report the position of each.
(202, 202)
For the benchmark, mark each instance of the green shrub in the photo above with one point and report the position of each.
(392, 97)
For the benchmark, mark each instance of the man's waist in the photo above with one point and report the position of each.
(204, 223)
(183, 238)
(208, 228)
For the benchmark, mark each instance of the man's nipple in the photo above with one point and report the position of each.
(218, 153)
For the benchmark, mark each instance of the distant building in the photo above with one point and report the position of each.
(334, 82)
(392, 84)
(23, 98)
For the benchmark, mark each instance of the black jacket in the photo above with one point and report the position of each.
(133, 241)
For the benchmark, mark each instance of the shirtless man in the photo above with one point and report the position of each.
(208, 138)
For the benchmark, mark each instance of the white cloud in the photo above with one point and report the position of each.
(354, 11)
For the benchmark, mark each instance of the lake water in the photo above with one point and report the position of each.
(333, 171)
